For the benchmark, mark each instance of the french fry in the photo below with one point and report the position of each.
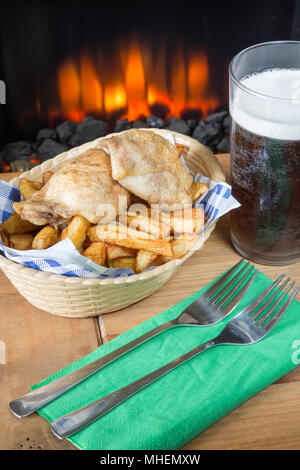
(123, 263)
(28, 188)
(15, 224)
(20, 241)
(161, 260)
(198, 189)
(125, 236)
(182, 245)
(46, 176)
(116, 229)
(190, 220)
(4, 238)
(46, 237)
(76, 231)
(149, 224)
(97, 253)
(115, 251)
(87, 242)
(144, 260)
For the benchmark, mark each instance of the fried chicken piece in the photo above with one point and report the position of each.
(149, 166)
(83, 186)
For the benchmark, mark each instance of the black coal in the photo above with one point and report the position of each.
(21, 156)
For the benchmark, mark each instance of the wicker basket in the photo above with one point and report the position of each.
(78, 297)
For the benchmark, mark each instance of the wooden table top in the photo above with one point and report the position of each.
(38, 344)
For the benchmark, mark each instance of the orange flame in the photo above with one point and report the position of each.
(157, 86)
(178, 84)
(135, 83)
(91, 89)
(69, 85)
(197, 78)
(142, 83)
(115, 97)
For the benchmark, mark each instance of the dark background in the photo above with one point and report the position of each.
(35, 36)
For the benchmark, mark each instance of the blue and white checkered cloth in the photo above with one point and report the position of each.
(63, 258)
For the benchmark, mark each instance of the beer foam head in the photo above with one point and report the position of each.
(277, 114)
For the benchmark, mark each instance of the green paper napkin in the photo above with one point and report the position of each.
(177, 407)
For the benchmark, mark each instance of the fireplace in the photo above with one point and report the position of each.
(114, 66)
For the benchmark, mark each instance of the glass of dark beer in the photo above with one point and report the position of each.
(265, 152)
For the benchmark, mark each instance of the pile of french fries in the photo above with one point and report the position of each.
(136, 240)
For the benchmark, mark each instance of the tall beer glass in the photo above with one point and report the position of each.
(265, 152)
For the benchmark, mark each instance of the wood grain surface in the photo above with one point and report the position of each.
(37, 344)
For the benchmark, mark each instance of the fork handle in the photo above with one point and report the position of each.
(73, 422)
(34, 400)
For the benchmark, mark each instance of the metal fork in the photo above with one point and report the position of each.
(251, 325)
(211, 307)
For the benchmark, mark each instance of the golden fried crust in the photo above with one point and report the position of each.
(83, 186)
(147, 165)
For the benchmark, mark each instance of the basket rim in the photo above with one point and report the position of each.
(42, 275)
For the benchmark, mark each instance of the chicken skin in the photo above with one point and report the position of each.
(83, 186)
(147, 165)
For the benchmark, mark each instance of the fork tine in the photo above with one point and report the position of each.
(213, 289)
(235, 288)
(236, 299)
(255, 303)
(258, 312)
(275, 319)
(229, 284)
(268, 312)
